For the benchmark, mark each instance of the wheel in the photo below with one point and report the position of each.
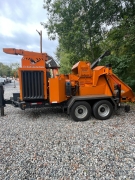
(4, 83)
(102, 110)
(80, 111)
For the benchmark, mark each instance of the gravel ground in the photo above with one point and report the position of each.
(46, 144)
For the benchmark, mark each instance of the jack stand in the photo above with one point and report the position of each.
(2, 111)
(2, 102)
(14, 84)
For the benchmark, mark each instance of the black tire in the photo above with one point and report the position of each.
(102, 110)
(80, 111)
(4, 83)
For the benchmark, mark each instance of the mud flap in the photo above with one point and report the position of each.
(127, 108)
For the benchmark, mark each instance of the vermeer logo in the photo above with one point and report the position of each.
(33, 61)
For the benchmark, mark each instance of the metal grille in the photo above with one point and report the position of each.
(32, 85)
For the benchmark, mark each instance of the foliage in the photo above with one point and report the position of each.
(4, 70)
(121, 41)
(8, 71)
(77, 24)
(121, 67)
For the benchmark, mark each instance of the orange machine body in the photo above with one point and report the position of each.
(99, 81)
(37, 84)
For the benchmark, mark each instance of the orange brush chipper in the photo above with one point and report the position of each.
(88, 89)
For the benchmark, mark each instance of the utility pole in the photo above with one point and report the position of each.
(40, 34)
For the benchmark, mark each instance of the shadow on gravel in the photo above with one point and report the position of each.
(55, 112)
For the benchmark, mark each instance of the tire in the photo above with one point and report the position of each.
(80, 111)
(102, 110)
(4, 83)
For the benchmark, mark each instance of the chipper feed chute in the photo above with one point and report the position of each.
(127, 94)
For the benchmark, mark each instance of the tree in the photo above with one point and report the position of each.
(8, 71)
(77, 24)
(5, 70)
(121, 41)
(14, 67)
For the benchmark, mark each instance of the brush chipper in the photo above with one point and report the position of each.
(88, 89)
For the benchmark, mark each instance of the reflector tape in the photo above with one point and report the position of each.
(35, 103)
(54, 101)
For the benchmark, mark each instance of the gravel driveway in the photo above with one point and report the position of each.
(46, 144)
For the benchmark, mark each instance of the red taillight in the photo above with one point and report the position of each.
(39, 102)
